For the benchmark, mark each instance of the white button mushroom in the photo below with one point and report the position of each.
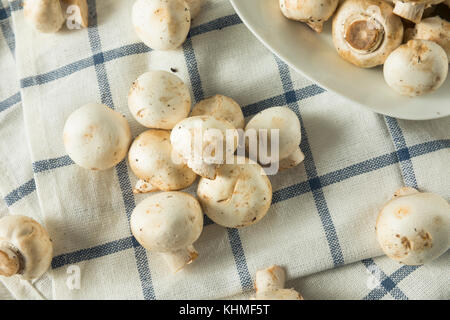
(96, 137)
(221, 107)
(204, 143)
(151, 160)
(159, 99)
(161, 24)
(434, 29)
(269, 285)
(313, 12)
(45, 15)
(365, 32)
(288, 124)
(195, 6)
(239, 196)
(416, 68)
(169, 223)
(414, 228)
(412, 10)
(26, 249)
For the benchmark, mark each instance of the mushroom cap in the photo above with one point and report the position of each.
(96, 137)
(45, 15)
(159, 99)
(286, 121)
(239, 196)
(195, 6)
(365, 32)
(414, 228)
(167, 221)
(196, 138)
(30, 241)
(416, 68)
(279, 294)
(161, 24)
(434, 29)
(313, 12)
(221, 107)
(151, 159)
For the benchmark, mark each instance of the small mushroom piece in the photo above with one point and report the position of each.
(195, 7)
(288, 124)
(161, 24)
(416, 68)
(365, 32)
(239, 196)
(26, 249)
(313, 12)
(45, 15)
(221, 107)
(434, 29)
(96, 137)
(269, 285)
(414, 228)
(169, 223)
(159, 99)
(204, 143)
(413, 10)
(151, 160)
(78, 11)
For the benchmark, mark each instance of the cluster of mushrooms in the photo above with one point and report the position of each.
(411, 38)
(412, 228)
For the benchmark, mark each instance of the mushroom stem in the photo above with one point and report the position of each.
(180, 258)
(315, 25)
(292, 160)
(143, 186)
(82, 16)
(409, 10)
(272, 278)
(9, 261)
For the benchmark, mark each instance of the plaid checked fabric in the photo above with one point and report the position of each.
(321, 224)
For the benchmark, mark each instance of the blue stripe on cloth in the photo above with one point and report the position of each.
(403, 153)
(217, 24)
(346, 173)
(6, 104)
(121, 168)
(387, 284)
(50, 164)
(15, 5)
(7, 30)
(100, 57)
(315, 183)
(20, 193)
(233, 234)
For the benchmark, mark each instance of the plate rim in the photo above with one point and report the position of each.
(312, 79)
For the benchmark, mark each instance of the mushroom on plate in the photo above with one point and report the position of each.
(161, 24)
(269, 285)
(26, 249)
(159, 99)
(414, 228)
(365, 32)
(313, 12)
(416, 68)
(204, 143)
(286, 121)
(221, 107)
(96, 137)
(45, 15)
(152, 161)
(239, 196)
(413, 10)
(433, 29)
(169, 223)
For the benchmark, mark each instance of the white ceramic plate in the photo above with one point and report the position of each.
(314, 56)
